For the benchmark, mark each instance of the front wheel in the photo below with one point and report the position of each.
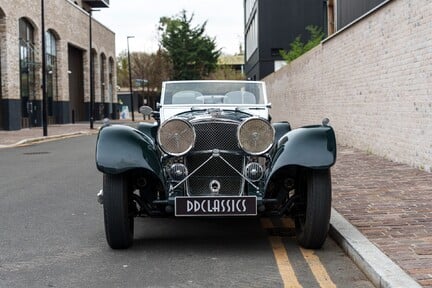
(119, 221)
(313, 220)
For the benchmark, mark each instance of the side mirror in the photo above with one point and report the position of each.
(325, 121)
(145, 110)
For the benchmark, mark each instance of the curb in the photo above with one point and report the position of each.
(47, 138)
(379, 268)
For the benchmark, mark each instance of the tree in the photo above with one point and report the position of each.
(225, 73)
(192, 53)
(122, 69)
(160, 69)
(155, 68)
(298, 48)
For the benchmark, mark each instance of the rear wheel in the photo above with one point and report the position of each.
(118, 216)
(313, 220)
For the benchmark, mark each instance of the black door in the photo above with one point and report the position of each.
(76, 85)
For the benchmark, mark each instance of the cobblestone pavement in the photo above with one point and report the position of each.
(391, 204)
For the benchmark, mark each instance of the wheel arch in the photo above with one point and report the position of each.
(312, 147)
(121, 148)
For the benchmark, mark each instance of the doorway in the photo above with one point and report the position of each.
(76, 85)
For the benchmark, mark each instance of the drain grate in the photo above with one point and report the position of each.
(36, 153)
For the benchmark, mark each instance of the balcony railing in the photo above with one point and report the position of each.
(98, 3)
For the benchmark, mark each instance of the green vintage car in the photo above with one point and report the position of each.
(214, 152)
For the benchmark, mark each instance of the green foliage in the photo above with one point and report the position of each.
(225, 73)
(122, 69)
(298, 48)
(192, 53)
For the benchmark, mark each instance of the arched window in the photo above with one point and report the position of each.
(2, 31)
(102, 76)
(51, 68)
(111, 86)
(2, 51)
(27, 70)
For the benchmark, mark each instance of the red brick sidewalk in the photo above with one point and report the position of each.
(391, 204)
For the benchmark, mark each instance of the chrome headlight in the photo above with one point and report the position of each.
(176, 137)
(255, 136)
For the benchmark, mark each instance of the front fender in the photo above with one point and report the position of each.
(312, 147)
(121, 148)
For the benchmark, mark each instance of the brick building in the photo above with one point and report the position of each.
(67, 27)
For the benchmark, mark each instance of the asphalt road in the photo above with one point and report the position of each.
(52, 235)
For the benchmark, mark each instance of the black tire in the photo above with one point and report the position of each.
(119, 221)
(312, 224)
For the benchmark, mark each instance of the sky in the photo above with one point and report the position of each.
(140, 18)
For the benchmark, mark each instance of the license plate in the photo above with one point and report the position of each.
(216, 206)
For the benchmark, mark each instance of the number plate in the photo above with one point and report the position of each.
(216, 206)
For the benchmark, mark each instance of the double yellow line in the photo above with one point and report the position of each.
(286, 270)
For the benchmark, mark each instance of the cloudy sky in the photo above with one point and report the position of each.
(140, 18)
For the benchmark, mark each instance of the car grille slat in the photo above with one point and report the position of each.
(210, 136)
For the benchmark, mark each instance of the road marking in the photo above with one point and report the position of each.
(318, 270)
(288, 223)
(284, 265)
(285, 268)
(266, 223)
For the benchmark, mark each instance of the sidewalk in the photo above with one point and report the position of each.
(389, 203)
(28, 135)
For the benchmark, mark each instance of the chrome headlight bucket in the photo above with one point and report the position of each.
(176, 137)
(256, 136)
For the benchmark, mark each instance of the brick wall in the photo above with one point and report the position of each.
(71, 24)
(373, 80)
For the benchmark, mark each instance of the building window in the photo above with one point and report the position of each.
(27, 67)
(51, 68)
(249, 5)
(102, 76)
(252, 37)
(111, 85)
(2, 46)
(331, 19)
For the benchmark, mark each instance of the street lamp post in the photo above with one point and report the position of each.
(44, 94)
(130, 79)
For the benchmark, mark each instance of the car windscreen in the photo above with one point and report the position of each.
(214, 92)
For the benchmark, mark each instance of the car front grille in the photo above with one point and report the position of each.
(223, 137)
(216, 135)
